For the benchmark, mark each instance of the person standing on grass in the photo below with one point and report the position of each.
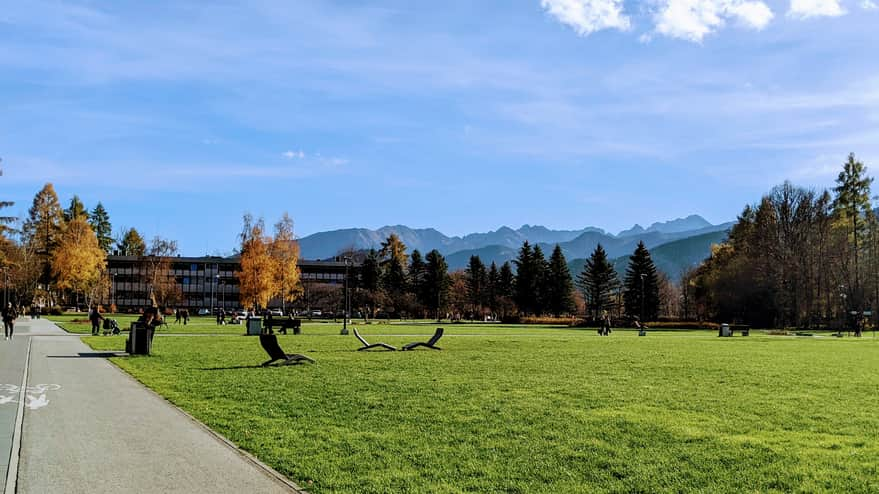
(9, 316)
(95, 317)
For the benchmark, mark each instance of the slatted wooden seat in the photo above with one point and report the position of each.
(431, 343)
(270, 344)
(367, 346)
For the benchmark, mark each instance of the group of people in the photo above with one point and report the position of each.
(181, 315)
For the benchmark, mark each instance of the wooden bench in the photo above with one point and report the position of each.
(283, 325)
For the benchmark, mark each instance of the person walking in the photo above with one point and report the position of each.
(605, 323)
(9, 317)
(95, 317)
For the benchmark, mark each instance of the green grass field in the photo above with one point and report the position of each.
(505, 409)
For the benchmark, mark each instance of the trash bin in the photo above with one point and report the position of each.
(254, 326)
(725, 330)
(140, 340)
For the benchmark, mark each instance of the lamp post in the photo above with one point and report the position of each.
(113, 291)
(223, 292)
(345, 315)
(214, 279)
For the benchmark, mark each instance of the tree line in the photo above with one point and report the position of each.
(399, 284)
(798, 258)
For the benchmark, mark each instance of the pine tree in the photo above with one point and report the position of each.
(559, 285)
(416, 276)
(75, 210)
(43, 228)
(852, 208)
(394, 261)
(598, 281)
(436, 282)
(132, 244)
(476, 281)
(525, 291)
(540, 267)
(492, 288)
(641, 277)
(100, 222)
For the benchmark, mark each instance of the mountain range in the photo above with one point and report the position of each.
(675, 245)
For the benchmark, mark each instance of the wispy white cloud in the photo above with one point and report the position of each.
(869, 5)
(291, 155)
(804, 9)
(692, 20)
(588, 16)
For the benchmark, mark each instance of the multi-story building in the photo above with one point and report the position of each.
(200, 282)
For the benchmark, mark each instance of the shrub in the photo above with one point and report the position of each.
(55, 311)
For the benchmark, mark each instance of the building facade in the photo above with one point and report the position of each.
(198, 282)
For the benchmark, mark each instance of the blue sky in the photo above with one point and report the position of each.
(460, 115)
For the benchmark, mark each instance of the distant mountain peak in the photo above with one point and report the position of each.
(692, 222)
(635, 230)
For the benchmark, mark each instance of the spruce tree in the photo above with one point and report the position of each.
(436, 282)
(416, 276)
(132, 244)
(559, 285)
(641, 270)
(525, 294)
(492, 287)
(541, 280)
(598, 281)
(506, 281)
(75, 210)
(100, 222)
(477, 278)
(852, 210)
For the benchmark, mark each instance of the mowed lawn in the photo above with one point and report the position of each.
(502, 409)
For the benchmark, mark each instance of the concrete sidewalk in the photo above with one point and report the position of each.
(90, 428)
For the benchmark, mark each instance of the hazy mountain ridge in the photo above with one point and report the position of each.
(503, 244)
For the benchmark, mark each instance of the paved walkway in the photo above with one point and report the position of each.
(88, 427)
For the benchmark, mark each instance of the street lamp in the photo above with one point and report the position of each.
(216, 279)
(223, 292)
(345, 315)
(113, 291)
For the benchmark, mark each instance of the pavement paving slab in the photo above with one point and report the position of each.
(90, 428)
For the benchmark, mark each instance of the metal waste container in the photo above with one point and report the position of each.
(140, 339)
(254, 326)
(725, 330)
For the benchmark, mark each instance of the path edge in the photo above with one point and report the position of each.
(15, 453)
(271, 472)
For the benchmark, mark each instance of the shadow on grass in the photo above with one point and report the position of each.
(234, 367)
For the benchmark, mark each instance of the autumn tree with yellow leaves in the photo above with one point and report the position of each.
(79, 262)
(284, 251)
(257, 278)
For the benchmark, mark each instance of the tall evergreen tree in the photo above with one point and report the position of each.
(477, 279)
(852, 208)
(541, 280)
(75, 210)
(417, 269)
(100, 222)
(559, 287)
(394, 263)
(641, 277)
(525, 294)
(436, 282)
(132, 244)
(492, 287)
(507, 281)
(42, 229)
(598, 281)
